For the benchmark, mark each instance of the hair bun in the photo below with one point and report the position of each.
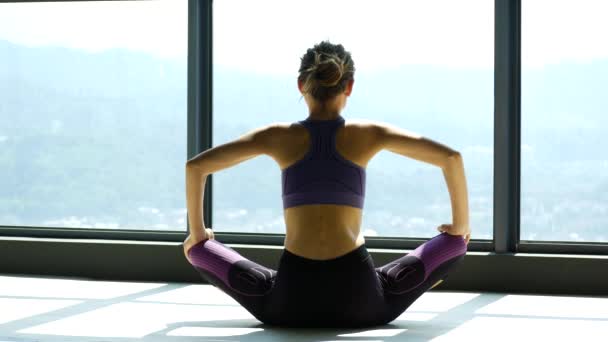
(329, 72)
(324, 71)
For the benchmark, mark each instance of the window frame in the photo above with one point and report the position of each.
(507, 147)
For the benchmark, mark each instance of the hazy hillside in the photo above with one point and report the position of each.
(99, 139)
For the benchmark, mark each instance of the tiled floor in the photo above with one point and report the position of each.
(55, 309)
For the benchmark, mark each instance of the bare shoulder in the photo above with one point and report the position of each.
(359, 122)
(270, 130)
(363, 125)
(378, 135)
(357, 128)
(276, 133)
(371, 129)
(276, 129)
(290, 127)
(366, 123)
(363, 138)
(382, 129)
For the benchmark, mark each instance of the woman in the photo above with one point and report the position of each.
(326, 278)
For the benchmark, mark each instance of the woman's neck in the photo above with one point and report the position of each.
(323, 115)
(329, 110)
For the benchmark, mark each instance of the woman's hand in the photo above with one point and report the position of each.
(191, 240)
(462, 230)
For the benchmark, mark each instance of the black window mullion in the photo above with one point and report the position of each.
(507, 125)
(200, 87)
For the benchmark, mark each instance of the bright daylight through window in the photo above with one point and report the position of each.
(426, 66)
(564, 166)
(93, 114)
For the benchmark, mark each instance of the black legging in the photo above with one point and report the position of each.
(348, 291)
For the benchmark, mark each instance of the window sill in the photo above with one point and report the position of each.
(575, 274)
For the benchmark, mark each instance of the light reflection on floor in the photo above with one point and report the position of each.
(39, 309)
(22, 307)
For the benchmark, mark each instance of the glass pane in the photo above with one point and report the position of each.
(426, 66)
(564, 180)
(93, 114)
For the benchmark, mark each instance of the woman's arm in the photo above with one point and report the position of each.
(215, 159)
(456, 181)
(195, 187)
(450, 161)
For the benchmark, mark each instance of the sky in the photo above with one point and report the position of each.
(156, 27)
(269, 36)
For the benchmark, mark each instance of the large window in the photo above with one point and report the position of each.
(426, 66)
(564, 160)
(93, 114)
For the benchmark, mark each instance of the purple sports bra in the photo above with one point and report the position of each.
(323, 176)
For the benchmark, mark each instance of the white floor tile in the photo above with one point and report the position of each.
(38, 309)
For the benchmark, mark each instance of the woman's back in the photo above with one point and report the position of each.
(323, 231)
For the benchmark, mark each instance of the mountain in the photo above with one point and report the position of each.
(99, 139)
